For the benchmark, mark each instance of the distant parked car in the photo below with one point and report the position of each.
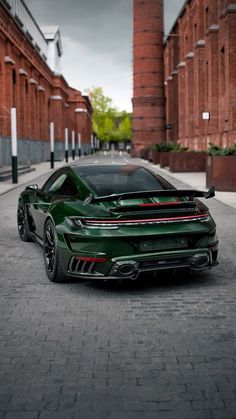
(116, 221)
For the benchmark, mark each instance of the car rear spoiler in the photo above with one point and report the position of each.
(191, 193)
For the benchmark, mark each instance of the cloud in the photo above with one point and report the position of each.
(97, 41)
(97, 69)
(172, 9)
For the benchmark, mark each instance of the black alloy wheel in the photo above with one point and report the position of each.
(52, 259)
(22, 223)
(49, 248)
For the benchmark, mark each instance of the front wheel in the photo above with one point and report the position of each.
(52, 257)
(22, 223)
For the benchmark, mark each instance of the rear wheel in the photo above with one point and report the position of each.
(52, 257)
(22, 223)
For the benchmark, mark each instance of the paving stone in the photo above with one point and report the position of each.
(22, 415)
(178, 414)
(223, 413)
(161, 347)
(64, 414)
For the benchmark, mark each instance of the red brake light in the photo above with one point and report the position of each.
(90, 259)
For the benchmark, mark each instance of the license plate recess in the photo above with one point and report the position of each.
(164, 244)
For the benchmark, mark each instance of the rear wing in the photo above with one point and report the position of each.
(191, 193)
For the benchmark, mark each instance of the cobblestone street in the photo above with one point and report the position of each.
(158, 348)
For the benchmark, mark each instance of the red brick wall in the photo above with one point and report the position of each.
(202, 55)
(39, 96)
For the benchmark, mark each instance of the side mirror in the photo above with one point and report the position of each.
(32, 188)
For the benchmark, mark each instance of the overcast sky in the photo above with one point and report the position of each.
(97, 41)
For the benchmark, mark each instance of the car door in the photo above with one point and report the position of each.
(43, 198)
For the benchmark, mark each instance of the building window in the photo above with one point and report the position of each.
(14, 87)
(186, 45)
(26, 87)
(195, 35)
(207, 84)
(222, 70)
(58, 49)
(207, 24)
(221, 6)
(172, 60)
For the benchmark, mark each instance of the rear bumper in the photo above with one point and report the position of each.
(130, 267)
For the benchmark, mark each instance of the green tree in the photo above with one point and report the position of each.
(100, 102)
(125, 129)
(109, 124)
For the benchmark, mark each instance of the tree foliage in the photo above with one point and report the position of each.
(109, 124)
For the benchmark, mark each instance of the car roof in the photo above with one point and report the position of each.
(99, 165)
(87, 170)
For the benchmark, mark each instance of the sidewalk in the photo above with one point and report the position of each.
(193, 180)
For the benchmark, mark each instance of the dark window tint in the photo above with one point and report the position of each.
(54, 183)
(68, 188)
(107, 180)
(60, 184)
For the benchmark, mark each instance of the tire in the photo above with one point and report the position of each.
(22, 223)
(52, 257)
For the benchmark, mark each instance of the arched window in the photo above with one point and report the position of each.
(222, 72)
(42, 113)
(33, 111)
(26, 109)
(26, 87)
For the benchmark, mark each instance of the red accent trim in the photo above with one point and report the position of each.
(91, 259)
(188, 217)
(157, 204)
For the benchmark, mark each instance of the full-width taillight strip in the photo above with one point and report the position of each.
(104, 223)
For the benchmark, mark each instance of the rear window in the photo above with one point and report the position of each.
(107, 180)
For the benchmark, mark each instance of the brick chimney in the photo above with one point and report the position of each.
(148, 67)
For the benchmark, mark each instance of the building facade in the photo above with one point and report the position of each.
(148, 121)
(200, 75)
(31, 81)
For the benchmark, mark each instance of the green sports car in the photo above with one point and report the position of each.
(116, 221)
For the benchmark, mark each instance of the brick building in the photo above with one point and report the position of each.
(200, 74)
(31, 81)
(148, 98)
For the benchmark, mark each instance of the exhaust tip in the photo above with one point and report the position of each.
(200, 260)
(124, 269)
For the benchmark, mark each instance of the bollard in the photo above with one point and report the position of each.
(66, 145)
(79, 144)
(52, 144)
(73, 145)
(14, 146)
(92, 145)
